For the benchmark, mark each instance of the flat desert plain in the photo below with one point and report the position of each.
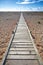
(34, 21)
(8, 21)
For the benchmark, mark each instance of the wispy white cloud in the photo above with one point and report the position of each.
(36, 9)
(25, 2)
(28, 1)
(22, 9)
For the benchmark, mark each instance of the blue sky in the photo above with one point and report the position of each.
(21, 5)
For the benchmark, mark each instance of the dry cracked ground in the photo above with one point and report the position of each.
(34, 21)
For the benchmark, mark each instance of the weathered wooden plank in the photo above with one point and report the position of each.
(22, 43)
(22, 62)
(18, 40)
(21, 35)
(22, 32)
(22, 52)
(22, 49)
(21, 57)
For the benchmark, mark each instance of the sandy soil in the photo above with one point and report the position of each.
(35, 24)
(7, 24)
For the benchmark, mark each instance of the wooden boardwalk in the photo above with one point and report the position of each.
(22, 50)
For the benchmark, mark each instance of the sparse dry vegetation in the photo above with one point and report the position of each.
(34, 21)
(8, 21)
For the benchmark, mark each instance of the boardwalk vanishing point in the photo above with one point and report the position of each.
(21, 49)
